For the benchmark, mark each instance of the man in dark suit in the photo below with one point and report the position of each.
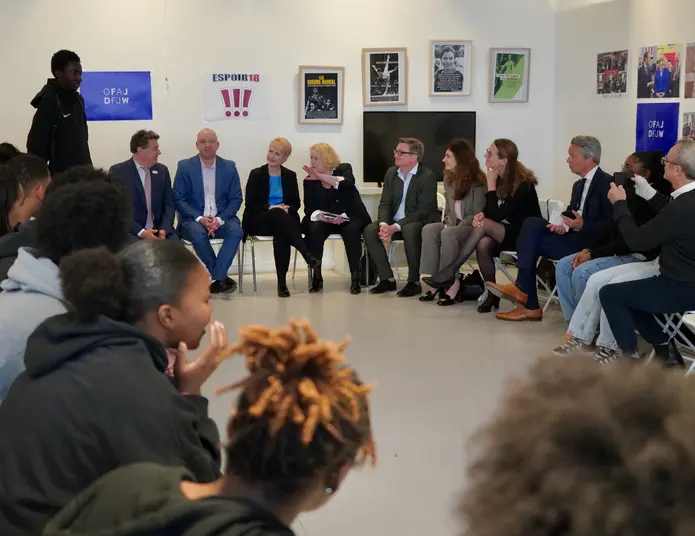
(149, 184)
(207, 196)
(588, 216)
(408, 203)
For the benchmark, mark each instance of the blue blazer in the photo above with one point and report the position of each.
(598, 210)
(162, 199)
(189, 195)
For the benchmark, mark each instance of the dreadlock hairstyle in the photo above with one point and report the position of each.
(301, 410)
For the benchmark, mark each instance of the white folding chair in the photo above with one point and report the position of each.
(252, 239)
(672, 325)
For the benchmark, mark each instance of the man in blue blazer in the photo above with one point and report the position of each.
(149, 184)
(207, 196)
(588, 216)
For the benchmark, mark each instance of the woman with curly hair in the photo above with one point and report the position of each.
(582, 450)
(300, 424)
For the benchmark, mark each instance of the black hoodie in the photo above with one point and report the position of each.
(59, 132)
(146, 500)
(10, 243)
(94, 397)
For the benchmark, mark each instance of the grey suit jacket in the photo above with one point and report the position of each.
(473, 203)
(420, 202)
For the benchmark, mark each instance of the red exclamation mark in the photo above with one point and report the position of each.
(247, 101)
(227, 102)
(236, 92)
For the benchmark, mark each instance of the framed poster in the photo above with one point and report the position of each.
(659, 72)
(611, 73)
(450, 68)
(688, 126)
(320, 95)
(509, 74)
(657, 126)
(384, 76)
(690, 71)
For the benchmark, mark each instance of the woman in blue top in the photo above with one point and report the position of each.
(662, 79)
(272, 205)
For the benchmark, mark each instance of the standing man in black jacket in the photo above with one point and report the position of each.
(59, 130)
(629, 306)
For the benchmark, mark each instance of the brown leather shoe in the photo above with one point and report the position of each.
(520, 314)
(508, 292)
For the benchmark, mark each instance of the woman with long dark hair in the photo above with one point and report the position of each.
(11, 199)
(511, 198)
(464, 186)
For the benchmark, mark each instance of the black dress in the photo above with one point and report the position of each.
(512, 212)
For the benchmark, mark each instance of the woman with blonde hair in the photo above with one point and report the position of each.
(272, 205)
(464, 185)
(333, 206)
(511, 198)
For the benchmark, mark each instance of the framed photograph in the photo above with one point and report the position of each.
(384, 76)
(659, 72)
(690, 71)
(509, 74)
(611, 73)
(450, 68)
(320, 95)
(689, 125)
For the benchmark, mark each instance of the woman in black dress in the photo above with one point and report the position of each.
(511, 198)
(272, 205)
(329, 188)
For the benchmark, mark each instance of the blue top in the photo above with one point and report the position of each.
(275, 196)
(662, 81)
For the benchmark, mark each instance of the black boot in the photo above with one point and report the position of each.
(489, 303)
(283, 291)
(669, 355)
(355, 287)
(316, 281)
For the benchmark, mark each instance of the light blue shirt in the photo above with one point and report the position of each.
(142, 171)
(400, 213)
(275, 196)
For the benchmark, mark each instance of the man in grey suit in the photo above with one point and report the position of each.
(408, 203)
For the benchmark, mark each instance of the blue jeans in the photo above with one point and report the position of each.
(571, 283)
(197, 234)
(588, 315)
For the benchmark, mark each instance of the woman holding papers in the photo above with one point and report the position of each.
(333, 205)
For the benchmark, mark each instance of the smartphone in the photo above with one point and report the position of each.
(569, 214)
(622, 178)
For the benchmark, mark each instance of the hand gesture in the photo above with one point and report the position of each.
(556, 229)
(338, 221)
(616, 193)
(191, 375)
(162, 234)
(478, 219)
(282, 207)
(492, 175)
(148, 234)
(311, 174)
(580, 258)
(577, 223)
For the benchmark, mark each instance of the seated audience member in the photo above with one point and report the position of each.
(272, 206)
(207, 196)
(581, 450)
(511, 198)
(284, 456)
(631, 306)
(408, 203)
(84, 215)
(464, 188)
(11, 199)
(59, 133)
(330, 187)
(26, 235)
(35, 178)
(150, 189)
(587, 217)
(7, 152)
(580, 277)
(95, 395)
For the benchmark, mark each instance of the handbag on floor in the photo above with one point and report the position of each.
(472, 286)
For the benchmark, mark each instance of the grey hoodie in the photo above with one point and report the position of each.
(30, 294)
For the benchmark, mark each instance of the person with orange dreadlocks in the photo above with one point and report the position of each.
(301, 422)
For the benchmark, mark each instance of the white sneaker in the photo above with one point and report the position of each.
(572, 347)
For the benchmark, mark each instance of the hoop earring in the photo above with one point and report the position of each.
(329, 491)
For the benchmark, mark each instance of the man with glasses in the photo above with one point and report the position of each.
(408, 203)
(207, 196)
(630, 306)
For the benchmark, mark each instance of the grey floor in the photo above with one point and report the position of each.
(439, 372)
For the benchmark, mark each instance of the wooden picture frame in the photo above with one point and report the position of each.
(384, 76)
(450, 68)
(510, 70)
(320, 95)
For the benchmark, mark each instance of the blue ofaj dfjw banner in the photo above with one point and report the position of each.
(117, 96)
(657, 126)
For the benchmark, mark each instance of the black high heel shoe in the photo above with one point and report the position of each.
(431, 296)
(283, 291)
(489, 303)
(448, 300)
(316, 284)
(313, 262)
(439, 285)
(355, 287)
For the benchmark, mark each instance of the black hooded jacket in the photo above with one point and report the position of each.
(10, 243)
(94, 397)
(59, 132)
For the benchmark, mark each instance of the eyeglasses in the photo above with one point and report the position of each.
(396, 152)
(665, 161)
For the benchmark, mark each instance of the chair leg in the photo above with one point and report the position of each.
(253, 265)
(240, 260)
(294, 265)
(551, 297)
(502, 268)
(366, 264)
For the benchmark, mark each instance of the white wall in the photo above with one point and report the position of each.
(583, 33)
